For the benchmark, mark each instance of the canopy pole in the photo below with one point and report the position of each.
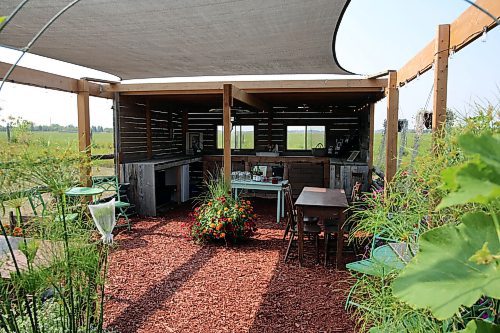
(391, 148)
(226, 120)
(370, 143)
(84, 129)
(442, 46)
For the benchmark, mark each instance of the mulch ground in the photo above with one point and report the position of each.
(159, 282)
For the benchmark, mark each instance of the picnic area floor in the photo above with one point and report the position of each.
(159, 281)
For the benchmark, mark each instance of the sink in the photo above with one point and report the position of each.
(267, 153)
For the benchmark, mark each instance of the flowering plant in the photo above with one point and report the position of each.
(221, 217)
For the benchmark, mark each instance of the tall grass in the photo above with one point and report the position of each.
(407, 210)
(60, 294)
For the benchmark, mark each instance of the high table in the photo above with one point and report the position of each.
(263, 186)
(323, 203)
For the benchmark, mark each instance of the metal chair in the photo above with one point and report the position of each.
(40, 207)
(110, 184)
(310, 229)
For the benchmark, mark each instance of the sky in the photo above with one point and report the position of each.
(374, 36)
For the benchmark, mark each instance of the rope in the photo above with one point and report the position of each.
(419, 127)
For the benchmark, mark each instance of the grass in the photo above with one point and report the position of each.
(102, 143)
(424, 148)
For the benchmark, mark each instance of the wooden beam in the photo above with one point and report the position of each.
(391, 148)
(440, 81)
(371, 134)
(464, 30)
(281, 86)
(249, 99)
(226, 121)
(84, 128)
(40, 79)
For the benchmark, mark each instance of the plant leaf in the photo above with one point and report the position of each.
(441, 277)
(481, 326)
(483, 145)
(472, 182)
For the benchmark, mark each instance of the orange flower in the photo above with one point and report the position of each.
(17, 231)
(212, 225)
(241, 209)
(222, 235)
(210, 203)
(219, 226)
(229, 220)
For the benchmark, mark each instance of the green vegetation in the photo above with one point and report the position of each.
(59, 291)
(448, 203)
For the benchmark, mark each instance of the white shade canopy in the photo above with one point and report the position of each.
(157, 38)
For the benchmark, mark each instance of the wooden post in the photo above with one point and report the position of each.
(442, 45)
(391, 148)
(226, 120)
(84, 129)
(149, 143)
(370, 142)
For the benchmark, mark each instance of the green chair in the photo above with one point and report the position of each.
(39, 205)
(110, 184)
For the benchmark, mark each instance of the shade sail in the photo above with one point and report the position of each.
(152, 38)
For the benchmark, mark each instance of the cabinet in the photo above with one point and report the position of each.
(344, 175)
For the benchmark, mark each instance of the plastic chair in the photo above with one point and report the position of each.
(110, 184)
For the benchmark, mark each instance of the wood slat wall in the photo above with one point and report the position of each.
(272, 130)
(163, 130)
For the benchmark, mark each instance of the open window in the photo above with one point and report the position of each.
(242, 137)
(304, 137)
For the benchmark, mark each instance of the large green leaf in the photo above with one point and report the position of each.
(481, 326)
(486, 146)
(442, 276)
(477, 180)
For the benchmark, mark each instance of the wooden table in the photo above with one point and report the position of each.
(323, 203)
(263, 186)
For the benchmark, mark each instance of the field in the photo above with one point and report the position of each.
(102, 143)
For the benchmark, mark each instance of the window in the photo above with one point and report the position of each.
(242, 137)
(304, 137)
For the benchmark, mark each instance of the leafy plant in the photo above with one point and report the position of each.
(458, 264)
(221, 217)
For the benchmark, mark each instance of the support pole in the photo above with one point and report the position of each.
(391, 150)
(442, 45)
(370, 142)
(226, 120)
(84, 129)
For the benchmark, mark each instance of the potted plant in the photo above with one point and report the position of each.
(220, 217)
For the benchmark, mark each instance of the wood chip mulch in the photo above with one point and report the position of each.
(159, 281)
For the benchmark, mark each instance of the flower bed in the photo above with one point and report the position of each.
(223, 218)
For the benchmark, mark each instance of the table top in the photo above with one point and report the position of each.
(76, 191)
(322, 197)
(251, 183)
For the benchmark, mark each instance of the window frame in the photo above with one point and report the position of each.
(233, 128)
(305, 137)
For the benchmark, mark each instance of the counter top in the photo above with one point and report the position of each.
(170, 162)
